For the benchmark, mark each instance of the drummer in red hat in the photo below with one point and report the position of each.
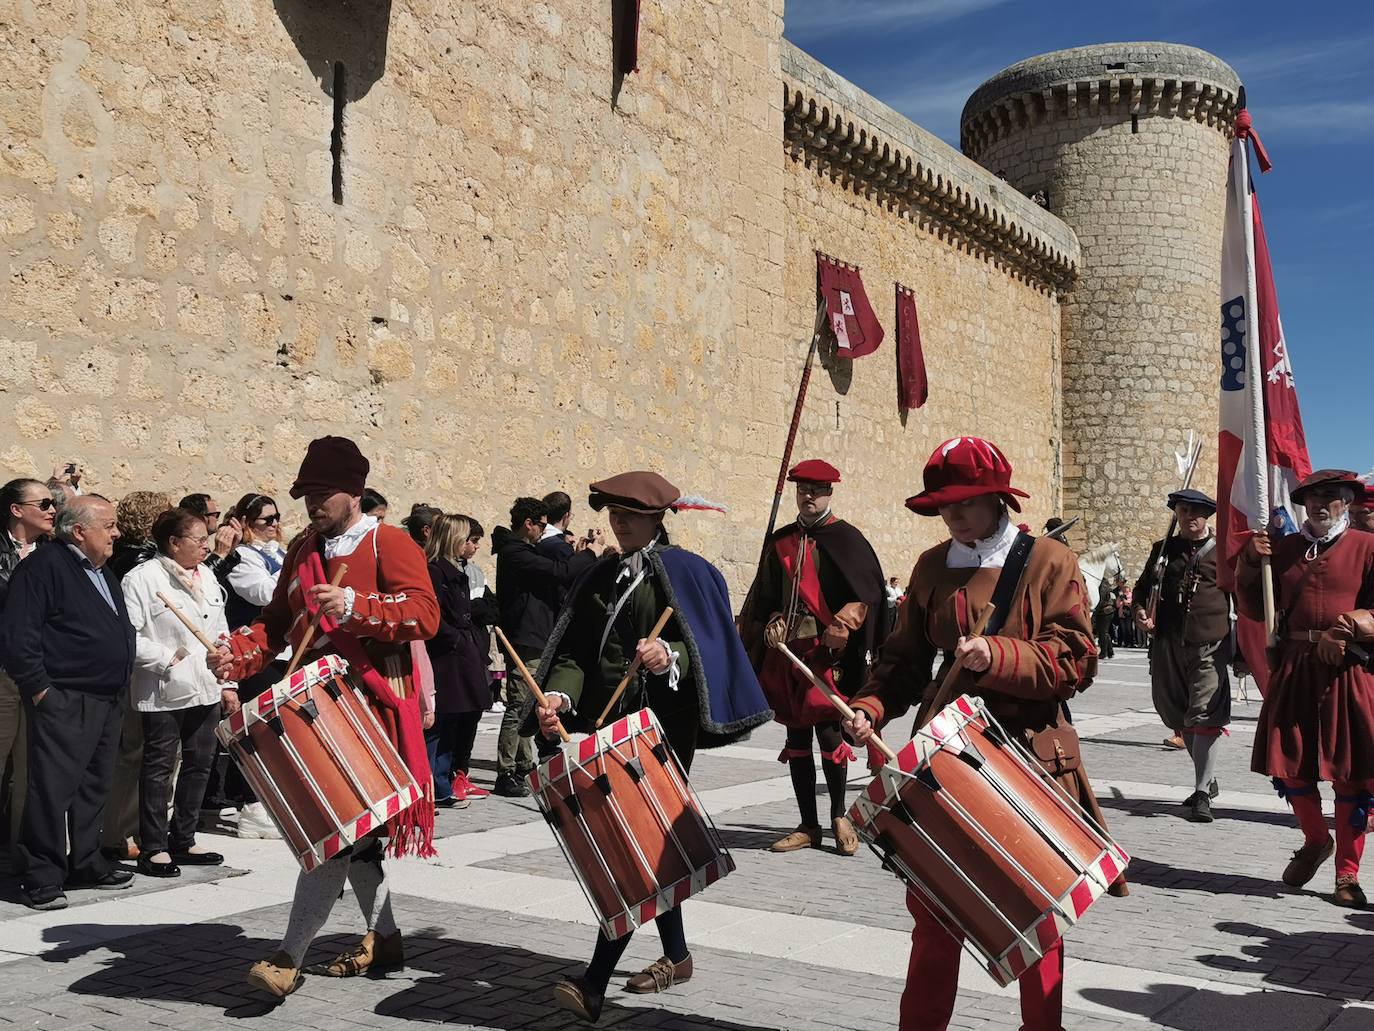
(1038, 652)
(383, 600)
(694, 676)
(819, 590)
(1317, 720)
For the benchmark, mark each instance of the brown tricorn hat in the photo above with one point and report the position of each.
(333, 464)
(640, 491)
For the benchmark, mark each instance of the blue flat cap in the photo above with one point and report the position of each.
(1193, 497)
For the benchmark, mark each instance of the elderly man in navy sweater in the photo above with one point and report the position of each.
(69, 646)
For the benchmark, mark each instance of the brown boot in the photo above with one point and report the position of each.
(846, 841)
(1348, 892)
(573, 995)
(1307, 861)
(802, 837)
(373, 953)
(275, 975)
(660, 976)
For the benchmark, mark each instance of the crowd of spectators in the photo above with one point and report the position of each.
(109, 762)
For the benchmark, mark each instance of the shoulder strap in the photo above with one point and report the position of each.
(1200, 554)
(1009, 580)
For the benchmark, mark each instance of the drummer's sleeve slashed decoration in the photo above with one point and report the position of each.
(255, 645)
(1057, 658)
(404, 608)
(902, 672)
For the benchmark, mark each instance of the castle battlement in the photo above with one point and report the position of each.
(877, 151)
(1153, 79)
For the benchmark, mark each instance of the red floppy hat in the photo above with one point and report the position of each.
(963, 468)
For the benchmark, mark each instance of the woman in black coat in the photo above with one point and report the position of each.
(460, 680)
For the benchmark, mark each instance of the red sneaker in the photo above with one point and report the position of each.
(469, 789)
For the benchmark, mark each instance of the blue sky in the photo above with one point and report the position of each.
(1309, 76)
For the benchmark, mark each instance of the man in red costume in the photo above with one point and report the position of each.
(819, 590)
(1317, 721)
(384, 601)
(1041, 656)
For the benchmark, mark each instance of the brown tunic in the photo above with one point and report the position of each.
(1044, 654)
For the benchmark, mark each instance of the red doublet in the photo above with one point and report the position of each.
(1317, 720)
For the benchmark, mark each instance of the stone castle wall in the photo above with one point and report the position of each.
(525, 287)
(990, 333)
(1135, 161)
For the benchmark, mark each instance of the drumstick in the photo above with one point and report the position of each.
(835, 699)
(634, 666)
(539, 695)
(941, 698)
(314, 625)
(200, 636)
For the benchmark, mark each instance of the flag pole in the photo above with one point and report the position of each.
(1254, 365)
(816, 332)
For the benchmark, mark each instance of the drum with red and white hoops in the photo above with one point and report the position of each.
(985, 838)
(629, 823)
(319, 761)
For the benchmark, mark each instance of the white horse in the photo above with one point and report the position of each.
(1100, 565)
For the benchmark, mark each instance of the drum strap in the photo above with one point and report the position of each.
(1007, 583)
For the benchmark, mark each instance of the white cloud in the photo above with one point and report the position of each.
(1334, 121)
(815, 19)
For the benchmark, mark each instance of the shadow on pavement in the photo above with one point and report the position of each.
(1220, 810)
(1188, 1009)
(1162, 875)
(504, 987)
(1339, 964)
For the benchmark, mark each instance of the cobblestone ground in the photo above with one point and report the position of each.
(1208, 939)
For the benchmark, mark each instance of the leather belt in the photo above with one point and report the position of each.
(1310, 636)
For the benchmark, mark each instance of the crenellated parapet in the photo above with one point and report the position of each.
(844, 132)
(1131, 79)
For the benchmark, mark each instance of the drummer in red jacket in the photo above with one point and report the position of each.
(1042, 656)
(384, 601)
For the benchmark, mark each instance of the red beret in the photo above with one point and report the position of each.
(332, 464)
(813, 470)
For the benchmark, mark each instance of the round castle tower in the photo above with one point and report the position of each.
(1128, 144)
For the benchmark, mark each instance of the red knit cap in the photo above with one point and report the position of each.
(963, 468)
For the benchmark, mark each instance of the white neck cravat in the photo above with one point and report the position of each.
(990, 551)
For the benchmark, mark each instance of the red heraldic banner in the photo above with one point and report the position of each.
(912, 386)
(851, 317)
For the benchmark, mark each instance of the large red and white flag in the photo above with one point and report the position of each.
(1261, 447)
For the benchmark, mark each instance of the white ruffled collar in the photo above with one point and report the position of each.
(347, 542)
(990, 551)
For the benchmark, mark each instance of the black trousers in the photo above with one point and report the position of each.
(73, 739)
(193, 729)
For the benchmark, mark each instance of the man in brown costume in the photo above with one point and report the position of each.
(1043, 655)
(1317, 720)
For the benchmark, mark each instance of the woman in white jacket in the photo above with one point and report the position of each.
(176, 695)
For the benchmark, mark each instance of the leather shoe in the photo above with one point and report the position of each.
(48, 897)
(113, 879)
(1348, 893)
(1199, 807)
(147, 867)
(573, 995)
(846, 841)
(802, 837)
(1306, 861)
(1175, 741)
(197, 858)
(275, 975)
(659, 976)
(373, 953)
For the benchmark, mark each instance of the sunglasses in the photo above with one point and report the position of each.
(44, 504)
(269, 520)
(211, 515)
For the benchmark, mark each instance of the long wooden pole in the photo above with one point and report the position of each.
(314, 626)
(817, 330)
(634, 666)
(835, 699)
(540, 698)
(1161, 560)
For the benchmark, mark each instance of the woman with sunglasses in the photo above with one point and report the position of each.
(174, 691)
(29, 512)
(249, 587)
